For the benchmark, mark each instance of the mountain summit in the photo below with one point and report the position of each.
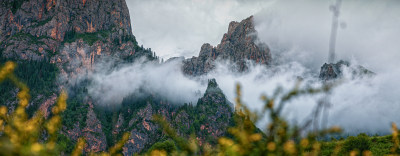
(238, 45)
(334, 71)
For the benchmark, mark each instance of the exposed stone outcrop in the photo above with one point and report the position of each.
(238, 45)
(118, 126)
(332, 70)
(335, 70)
(144, 131)
(93, 133)
(45, 106)
(136, 142)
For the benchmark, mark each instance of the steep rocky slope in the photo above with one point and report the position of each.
(238, 45)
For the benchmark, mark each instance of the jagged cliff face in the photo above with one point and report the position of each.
(238, 45)
(64, 31)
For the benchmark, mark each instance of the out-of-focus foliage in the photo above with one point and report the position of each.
(40, 76)
(380, 145)
(20, 135)
(361, 143)
(167, 146)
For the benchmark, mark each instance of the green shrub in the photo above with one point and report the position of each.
(362, 143)
(89, 38)
(167, 146)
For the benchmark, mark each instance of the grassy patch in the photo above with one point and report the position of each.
(14, 5)
(378, 145)
(40, 23)
(31, 39)
(89, 38)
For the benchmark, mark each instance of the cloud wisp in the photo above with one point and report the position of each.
(165, 80)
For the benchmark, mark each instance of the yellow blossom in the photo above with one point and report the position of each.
(3, 111)
(225, 141)
(158, 153)
(271, 146)
(255, 137)
(36, 147)
(290, 147)
(304, 143)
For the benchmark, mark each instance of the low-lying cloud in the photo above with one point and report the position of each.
(364, 104)
(165, 80)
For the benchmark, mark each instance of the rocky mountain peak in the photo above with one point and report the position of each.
(213, 86)
(238, 45)
(214, 95)
(212, 83)
(207, 50)
(243, 31)
(233, 24)
(333, 71)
